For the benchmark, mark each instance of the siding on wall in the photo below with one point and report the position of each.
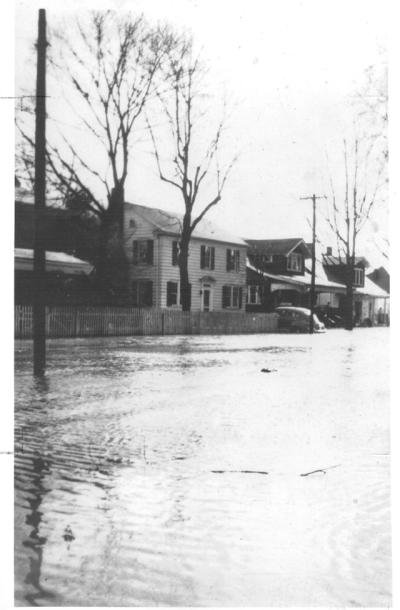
(142, 230)
(162, 270)
(169, 273)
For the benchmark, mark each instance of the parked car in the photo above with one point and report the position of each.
(297, 320)
(331, 319)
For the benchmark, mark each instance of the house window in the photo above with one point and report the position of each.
(142, 293)
(231, 297)
(175, 251)
(294, 262)
(132, 223)
(267, 258)
(174, 296)
(142, 251)
(172, 293)
(207, 257)
(358, 277)
(253, 295)
(232, 260)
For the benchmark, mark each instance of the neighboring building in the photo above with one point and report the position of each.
(66, 277)
(279, 272)
(336, 269)
(276, 273)
(217, 262)
(64, 230)
(381, 278)
(370, 302)
(282, 256)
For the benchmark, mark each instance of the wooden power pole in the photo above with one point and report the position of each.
(312, 287)
(39, 249)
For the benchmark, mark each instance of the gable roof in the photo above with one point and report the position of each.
(170, 223)
(332, 261)
(278, 246)
(381, 278)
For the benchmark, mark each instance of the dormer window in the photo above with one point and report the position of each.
(358, 277)
(267, 259)
(294, 262)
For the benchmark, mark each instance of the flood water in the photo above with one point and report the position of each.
(167, 471)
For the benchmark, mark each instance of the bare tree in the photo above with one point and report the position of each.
(371, 104)
(111, 62)
(193, 160)
(364, 170)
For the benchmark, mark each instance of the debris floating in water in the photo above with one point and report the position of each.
(240, 471)
(323, 470)
(68, 535)
(268, 370)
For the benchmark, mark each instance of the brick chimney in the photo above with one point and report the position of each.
(329, 251)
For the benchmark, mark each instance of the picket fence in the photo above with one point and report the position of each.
(85, 321)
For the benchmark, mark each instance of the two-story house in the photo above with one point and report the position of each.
(217, 262)
(336, 270)
(370, 301)
(275, 273)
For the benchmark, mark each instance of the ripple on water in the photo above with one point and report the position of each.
(124, 460)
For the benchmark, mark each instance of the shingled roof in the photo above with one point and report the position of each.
(278, 246)
(170, 223)
(332, 261)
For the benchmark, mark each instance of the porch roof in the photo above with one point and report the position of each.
(304, 280)
(55, 261)
(322, 283)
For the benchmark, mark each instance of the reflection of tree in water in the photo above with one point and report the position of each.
(40, 468)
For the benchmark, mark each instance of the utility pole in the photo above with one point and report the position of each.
(312, 287)
(39, 250)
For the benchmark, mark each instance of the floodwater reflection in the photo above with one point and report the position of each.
(119, 451)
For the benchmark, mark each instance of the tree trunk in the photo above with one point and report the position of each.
(348, 313)
(112, 268)
(184, 274)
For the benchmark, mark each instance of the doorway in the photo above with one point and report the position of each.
(206, 298)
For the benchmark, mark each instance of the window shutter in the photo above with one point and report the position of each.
(174, 253)
(240, 297)
(135, 251)
(226, 296)
(172, 293)
(228, 260)
(212, 266)
(149, 257)
(202, 256)
(237, 260)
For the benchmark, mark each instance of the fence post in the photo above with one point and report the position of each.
(162, 322)
(76, 321)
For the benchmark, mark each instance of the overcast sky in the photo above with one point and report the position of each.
(289, 69)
